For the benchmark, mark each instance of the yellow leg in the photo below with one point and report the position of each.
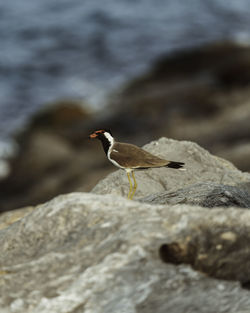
(130, 186)
(135, 186)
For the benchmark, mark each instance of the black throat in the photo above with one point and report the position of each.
(105, 143)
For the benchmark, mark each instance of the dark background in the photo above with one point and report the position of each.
(145, 69)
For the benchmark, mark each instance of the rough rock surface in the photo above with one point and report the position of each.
(201, 166)
(8, 218)
(204, 194)
(106, 254)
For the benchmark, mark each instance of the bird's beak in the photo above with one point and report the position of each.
(94, 135)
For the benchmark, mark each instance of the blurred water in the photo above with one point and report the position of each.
(52, 49)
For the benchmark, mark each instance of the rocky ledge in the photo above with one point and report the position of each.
(103, 253)
(200, 167)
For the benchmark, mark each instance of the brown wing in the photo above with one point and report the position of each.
(131, 156)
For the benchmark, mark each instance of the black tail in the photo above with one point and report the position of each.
(175, 164)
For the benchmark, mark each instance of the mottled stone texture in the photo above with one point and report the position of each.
(96, 253)
(105, 254)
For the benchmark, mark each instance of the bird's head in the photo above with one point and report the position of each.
(101, 134)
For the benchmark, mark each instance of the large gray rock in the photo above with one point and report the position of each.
(201, 166)
(204, 194)
(10, 217)
(105, 254)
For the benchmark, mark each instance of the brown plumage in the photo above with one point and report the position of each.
(130, 157)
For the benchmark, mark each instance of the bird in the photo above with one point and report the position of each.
(129, 157)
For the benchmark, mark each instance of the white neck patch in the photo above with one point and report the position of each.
(110, 138)
(112, 141)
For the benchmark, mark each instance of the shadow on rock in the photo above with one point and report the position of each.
(220, 252)
(206, 194)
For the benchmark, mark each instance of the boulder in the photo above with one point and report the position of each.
(200, 165)
(10, 217)
(208, 195)
(105, 254)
